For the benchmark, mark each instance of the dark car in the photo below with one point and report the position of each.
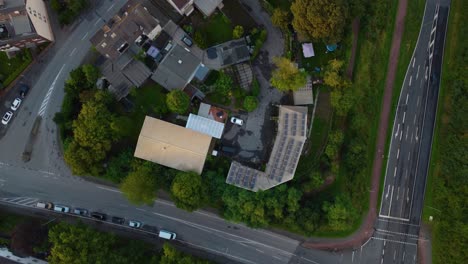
(187, 41)
(99, 216)
(23, 90)
(118, 220)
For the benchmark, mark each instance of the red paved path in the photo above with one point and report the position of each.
(366, 229)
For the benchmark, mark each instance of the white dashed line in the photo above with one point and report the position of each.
(85, 35)
(404, 116)
(407, 96)
(73, 52)
(417, 73)
(410, 80)
(109, 9)
(398, 154)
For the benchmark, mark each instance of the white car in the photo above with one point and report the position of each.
(7, 117)
(237, 121)
(134, 224)
(16, 104)
(167, 234)
(61, 208)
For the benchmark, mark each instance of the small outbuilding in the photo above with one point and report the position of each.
(308, 50)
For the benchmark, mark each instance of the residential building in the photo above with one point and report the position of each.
(172, 145)
(281, 166)
(205, 125)
(23, 24)
(207, 7)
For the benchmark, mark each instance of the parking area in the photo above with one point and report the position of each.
(252, 142)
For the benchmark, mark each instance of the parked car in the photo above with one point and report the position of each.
(167, 234)
(61, 208)
(134, 224)
(99, 216)
(187, 41)
(23, 90)
(80, 211)
(228, 150)
(237, 121)
(118, 220)
(16, 104)
(45, 205)
(7, 117)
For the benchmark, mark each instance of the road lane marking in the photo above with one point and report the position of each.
(109, 9)
(406, 173)
(417, 73)
(109, 189)
(404, 117)
(417, 102)
(411, 137)
(410, 79)
(403, 258)
(414, 120)
(73, 52)
(414, 61)
(416, 134)
(431, 43)
(433, 29)
(391, 199)
(398, 193)
(425, 75)
(430, 55)
(394, 173)
(409, 155)
(395, 241)
(352, 257)
(45, 101)
(97, 21)
(407, 130)
(388, 191)
(85, 35)
(383, 251)
(398, 129)
(398, 153)
(381, 261)
(258, 250)
(407, 96)
(401, 135)
(407, 195)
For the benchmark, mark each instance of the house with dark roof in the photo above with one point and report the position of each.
(227, 54)
(23, 24)
(186, 7)
(183, 7)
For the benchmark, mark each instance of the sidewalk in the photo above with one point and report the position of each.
(366, 229)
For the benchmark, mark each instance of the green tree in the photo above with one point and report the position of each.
(238, 32)
(250, 103)
(316, 181)
(342, 100)
(339, 214)
(280, 18)
(200, 40)
(140, 185)
(287, 76)
(92, 73)
(223, 85)
(187, 190)
(334, 75)
(335, 139)
(320, 19)
(172, 256)
(177, 101)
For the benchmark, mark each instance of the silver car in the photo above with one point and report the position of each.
(61, 208)
(237, 121)
(134, 224)
(16, 104)
(7, 117)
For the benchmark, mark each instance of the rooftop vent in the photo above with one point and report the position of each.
(179, 61)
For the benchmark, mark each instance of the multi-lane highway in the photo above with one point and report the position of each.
(396, 234)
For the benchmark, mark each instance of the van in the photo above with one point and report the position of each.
(167, 235)
(44, 205)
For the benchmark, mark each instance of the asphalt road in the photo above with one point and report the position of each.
(396, 232)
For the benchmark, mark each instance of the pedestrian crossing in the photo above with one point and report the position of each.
(23, 201)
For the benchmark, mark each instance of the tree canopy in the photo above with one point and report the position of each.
(250, 103)
(172, 256)
(238, 32)
(320, 19)
(187, 190)
(223, 84)
(140, 185)
(287, 76)
(280, 18)
(178, 101)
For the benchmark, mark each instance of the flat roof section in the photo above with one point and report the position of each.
(205, 126)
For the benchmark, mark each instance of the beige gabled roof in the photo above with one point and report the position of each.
(172, 145)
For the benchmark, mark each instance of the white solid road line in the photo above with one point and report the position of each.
(109, 189)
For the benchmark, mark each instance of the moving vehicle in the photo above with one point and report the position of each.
(118, 220)
(45, 205)
(23, 90)
(7, 117)
(80, 211)
(61, 208)
(99, 216)
(237, 121)
(16, 104)
(134, 224)
(167, 234)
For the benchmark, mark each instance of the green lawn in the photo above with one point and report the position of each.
(408, 42)
(11, 68)
(216, 29)
(320, 59)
